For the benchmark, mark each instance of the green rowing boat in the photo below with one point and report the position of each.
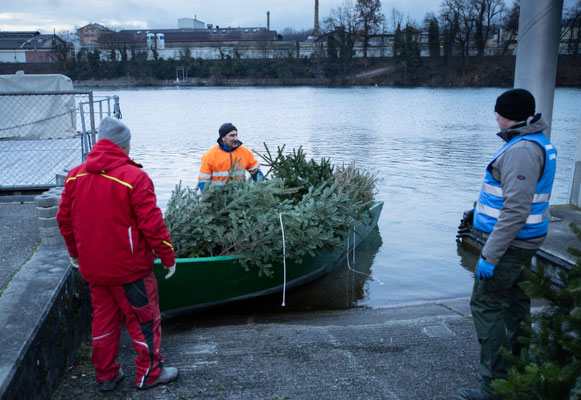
(208, 281)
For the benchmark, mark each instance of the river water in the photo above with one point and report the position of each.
(429, 148)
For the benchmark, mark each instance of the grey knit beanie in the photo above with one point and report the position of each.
(116, 131)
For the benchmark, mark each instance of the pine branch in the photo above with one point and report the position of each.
(554, 366)
(241, 217)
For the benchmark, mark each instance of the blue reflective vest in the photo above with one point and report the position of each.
(490, 201)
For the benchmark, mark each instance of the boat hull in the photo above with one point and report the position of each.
(208, 281)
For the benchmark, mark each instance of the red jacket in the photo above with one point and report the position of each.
(109, 218)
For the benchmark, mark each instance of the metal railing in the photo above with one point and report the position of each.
(45, 134)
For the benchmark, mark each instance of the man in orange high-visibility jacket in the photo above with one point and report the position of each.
(219, 160)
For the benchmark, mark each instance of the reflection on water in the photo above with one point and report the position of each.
(338, 290)
(468, 259)
(344, 286)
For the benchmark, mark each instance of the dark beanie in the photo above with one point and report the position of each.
(515, 104)
(226, 128)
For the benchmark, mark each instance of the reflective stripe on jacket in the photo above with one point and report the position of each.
(109, 218)
(490, 201)
(217, 163)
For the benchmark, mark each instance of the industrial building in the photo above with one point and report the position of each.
(28, 47)
(208, 43)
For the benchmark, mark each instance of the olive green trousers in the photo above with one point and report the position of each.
(499, 306)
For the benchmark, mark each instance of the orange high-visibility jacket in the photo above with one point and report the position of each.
(217, 163)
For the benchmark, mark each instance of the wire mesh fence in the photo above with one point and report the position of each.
(44, 134)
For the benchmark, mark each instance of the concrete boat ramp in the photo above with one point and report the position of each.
(418, 351)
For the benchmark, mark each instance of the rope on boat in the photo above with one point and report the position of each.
(349, 266)
(354, 233)
(283, 261)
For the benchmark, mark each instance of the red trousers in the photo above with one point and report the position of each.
(139, 302)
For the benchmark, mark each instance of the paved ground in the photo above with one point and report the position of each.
(19, 235)
(416, 352)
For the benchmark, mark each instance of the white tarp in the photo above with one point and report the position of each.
(36, 116)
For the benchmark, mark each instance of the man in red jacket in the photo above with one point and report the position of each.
(112, 227)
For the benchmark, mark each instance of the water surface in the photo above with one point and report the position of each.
(429, 147)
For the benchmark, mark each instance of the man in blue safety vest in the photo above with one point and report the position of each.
(513, 212)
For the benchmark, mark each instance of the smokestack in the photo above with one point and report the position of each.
(268, 20)
(316, 28)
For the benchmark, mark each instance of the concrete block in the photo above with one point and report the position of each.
(46, 200)
(47, 222)
(49, 232)
(52, 241)
(48, 212)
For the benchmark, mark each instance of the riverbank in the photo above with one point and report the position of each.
(126, 82)
(472, 71)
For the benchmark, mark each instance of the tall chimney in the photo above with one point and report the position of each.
(316, 28)
(268, 20)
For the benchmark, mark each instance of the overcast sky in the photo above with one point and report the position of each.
(67, 15)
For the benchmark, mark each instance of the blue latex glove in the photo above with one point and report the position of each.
(484, 270)
(201, 185)
(258, 176)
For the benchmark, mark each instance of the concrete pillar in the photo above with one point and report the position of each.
(575, 198)
(539, 28)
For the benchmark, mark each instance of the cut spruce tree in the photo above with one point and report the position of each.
(318, 203)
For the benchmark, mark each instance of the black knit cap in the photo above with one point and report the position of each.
(226, 128)
(515, 104)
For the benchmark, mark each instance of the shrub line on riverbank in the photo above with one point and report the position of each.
(490, 71)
